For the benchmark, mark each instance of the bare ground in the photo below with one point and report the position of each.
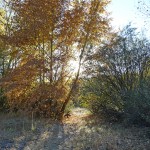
(81, 131)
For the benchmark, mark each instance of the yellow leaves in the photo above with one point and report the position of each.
(43, 37)
(2, 21)
(59, 20)
(14, 52)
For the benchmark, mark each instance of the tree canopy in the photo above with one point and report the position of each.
(43, 37)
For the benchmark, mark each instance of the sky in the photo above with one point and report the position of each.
(125, 11)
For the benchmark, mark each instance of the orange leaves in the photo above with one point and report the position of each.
(44, 33)
(59, 20)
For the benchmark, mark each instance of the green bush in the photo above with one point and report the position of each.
(119, 86)
(100, 99)
(137, 105)
(132, 106)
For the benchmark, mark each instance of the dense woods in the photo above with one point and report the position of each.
(38, 40)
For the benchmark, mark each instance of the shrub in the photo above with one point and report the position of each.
(120, 80)
(137, 105)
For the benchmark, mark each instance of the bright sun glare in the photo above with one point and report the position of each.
(74, 65)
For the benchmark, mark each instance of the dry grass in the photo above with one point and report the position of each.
(82, 131)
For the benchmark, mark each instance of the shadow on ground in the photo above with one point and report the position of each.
(82, 131)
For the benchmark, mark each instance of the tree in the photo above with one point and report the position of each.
(120, 80)
(46, 34)
(144, 7)
(5, 52)
(144, 11)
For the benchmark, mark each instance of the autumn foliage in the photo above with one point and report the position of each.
(44, 35)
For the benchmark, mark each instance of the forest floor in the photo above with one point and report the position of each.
(81, 131)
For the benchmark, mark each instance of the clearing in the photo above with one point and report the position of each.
(81, 131)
